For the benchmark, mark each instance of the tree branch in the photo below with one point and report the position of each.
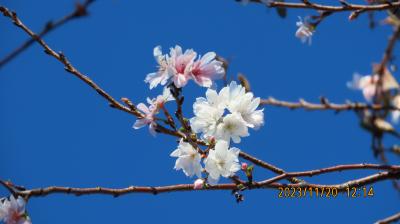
(390, 219)
(330, 8)
(392, 172)
(325, 105)
(79, 12)
(63, 59)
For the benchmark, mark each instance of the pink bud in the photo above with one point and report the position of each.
(198, 184)
(244, 166)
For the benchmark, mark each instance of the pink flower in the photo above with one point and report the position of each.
(12, 211)
(244, 166)
(198, 184)
(179, 68)
(162, 75)
(147, 119)
(150, 111)
(206, 69)
(180, 65)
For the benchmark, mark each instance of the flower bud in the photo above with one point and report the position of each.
(244, 166)
(198, 184)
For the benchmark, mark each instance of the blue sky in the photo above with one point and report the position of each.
(55, 130)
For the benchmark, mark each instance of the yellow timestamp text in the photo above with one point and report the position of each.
(324, 192)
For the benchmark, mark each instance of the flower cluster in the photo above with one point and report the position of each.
(179, 67)
(210, 118)
(220, 116)
(12, 211)
(221, 161)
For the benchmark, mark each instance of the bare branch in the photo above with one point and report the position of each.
(325, 105)
(63, 59)
(331, 8)
(79, 12)
(390, 219)
(392, 173)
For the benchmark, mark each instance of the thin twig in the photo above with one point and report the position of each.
(63, 59)
(330, 8)
(390, 219)
(325, 105)
(79, 12)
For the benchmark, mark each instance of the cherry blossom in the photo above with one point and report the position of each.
(221, 162)
(179, 67)
(245, 104)
(206, 69)
(150, 111)
(162, 75)
(367, 84)
(208, 113)
(212, 117)
(232, 127)
(12, 211)
(188, 159)
(396, 113)
(304, 31)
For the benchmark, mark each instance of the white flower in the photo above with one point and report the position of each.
(367, 84)
(188, 159)
(221, 162)
(396, 113)
(12, 211)
(150, 111)
(209, 113)
(305, 31)
(206, 69)
(245, 104)
(162, 75)
(198, 184)
(232, 126)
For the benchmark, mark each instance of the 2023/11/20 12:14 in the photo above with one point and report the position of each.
(323, 192)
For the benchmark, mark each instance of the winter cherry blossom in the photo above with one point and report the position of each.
(206, 69)
(150, 111)
(162, 75)
(179, 67)
(221, 162)
(12, 211)
(396, 113)
(304, 31)
(245, 104)
(209, 113)
(198, 184)
(232, 127)
(367, 84)
(188, 159)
